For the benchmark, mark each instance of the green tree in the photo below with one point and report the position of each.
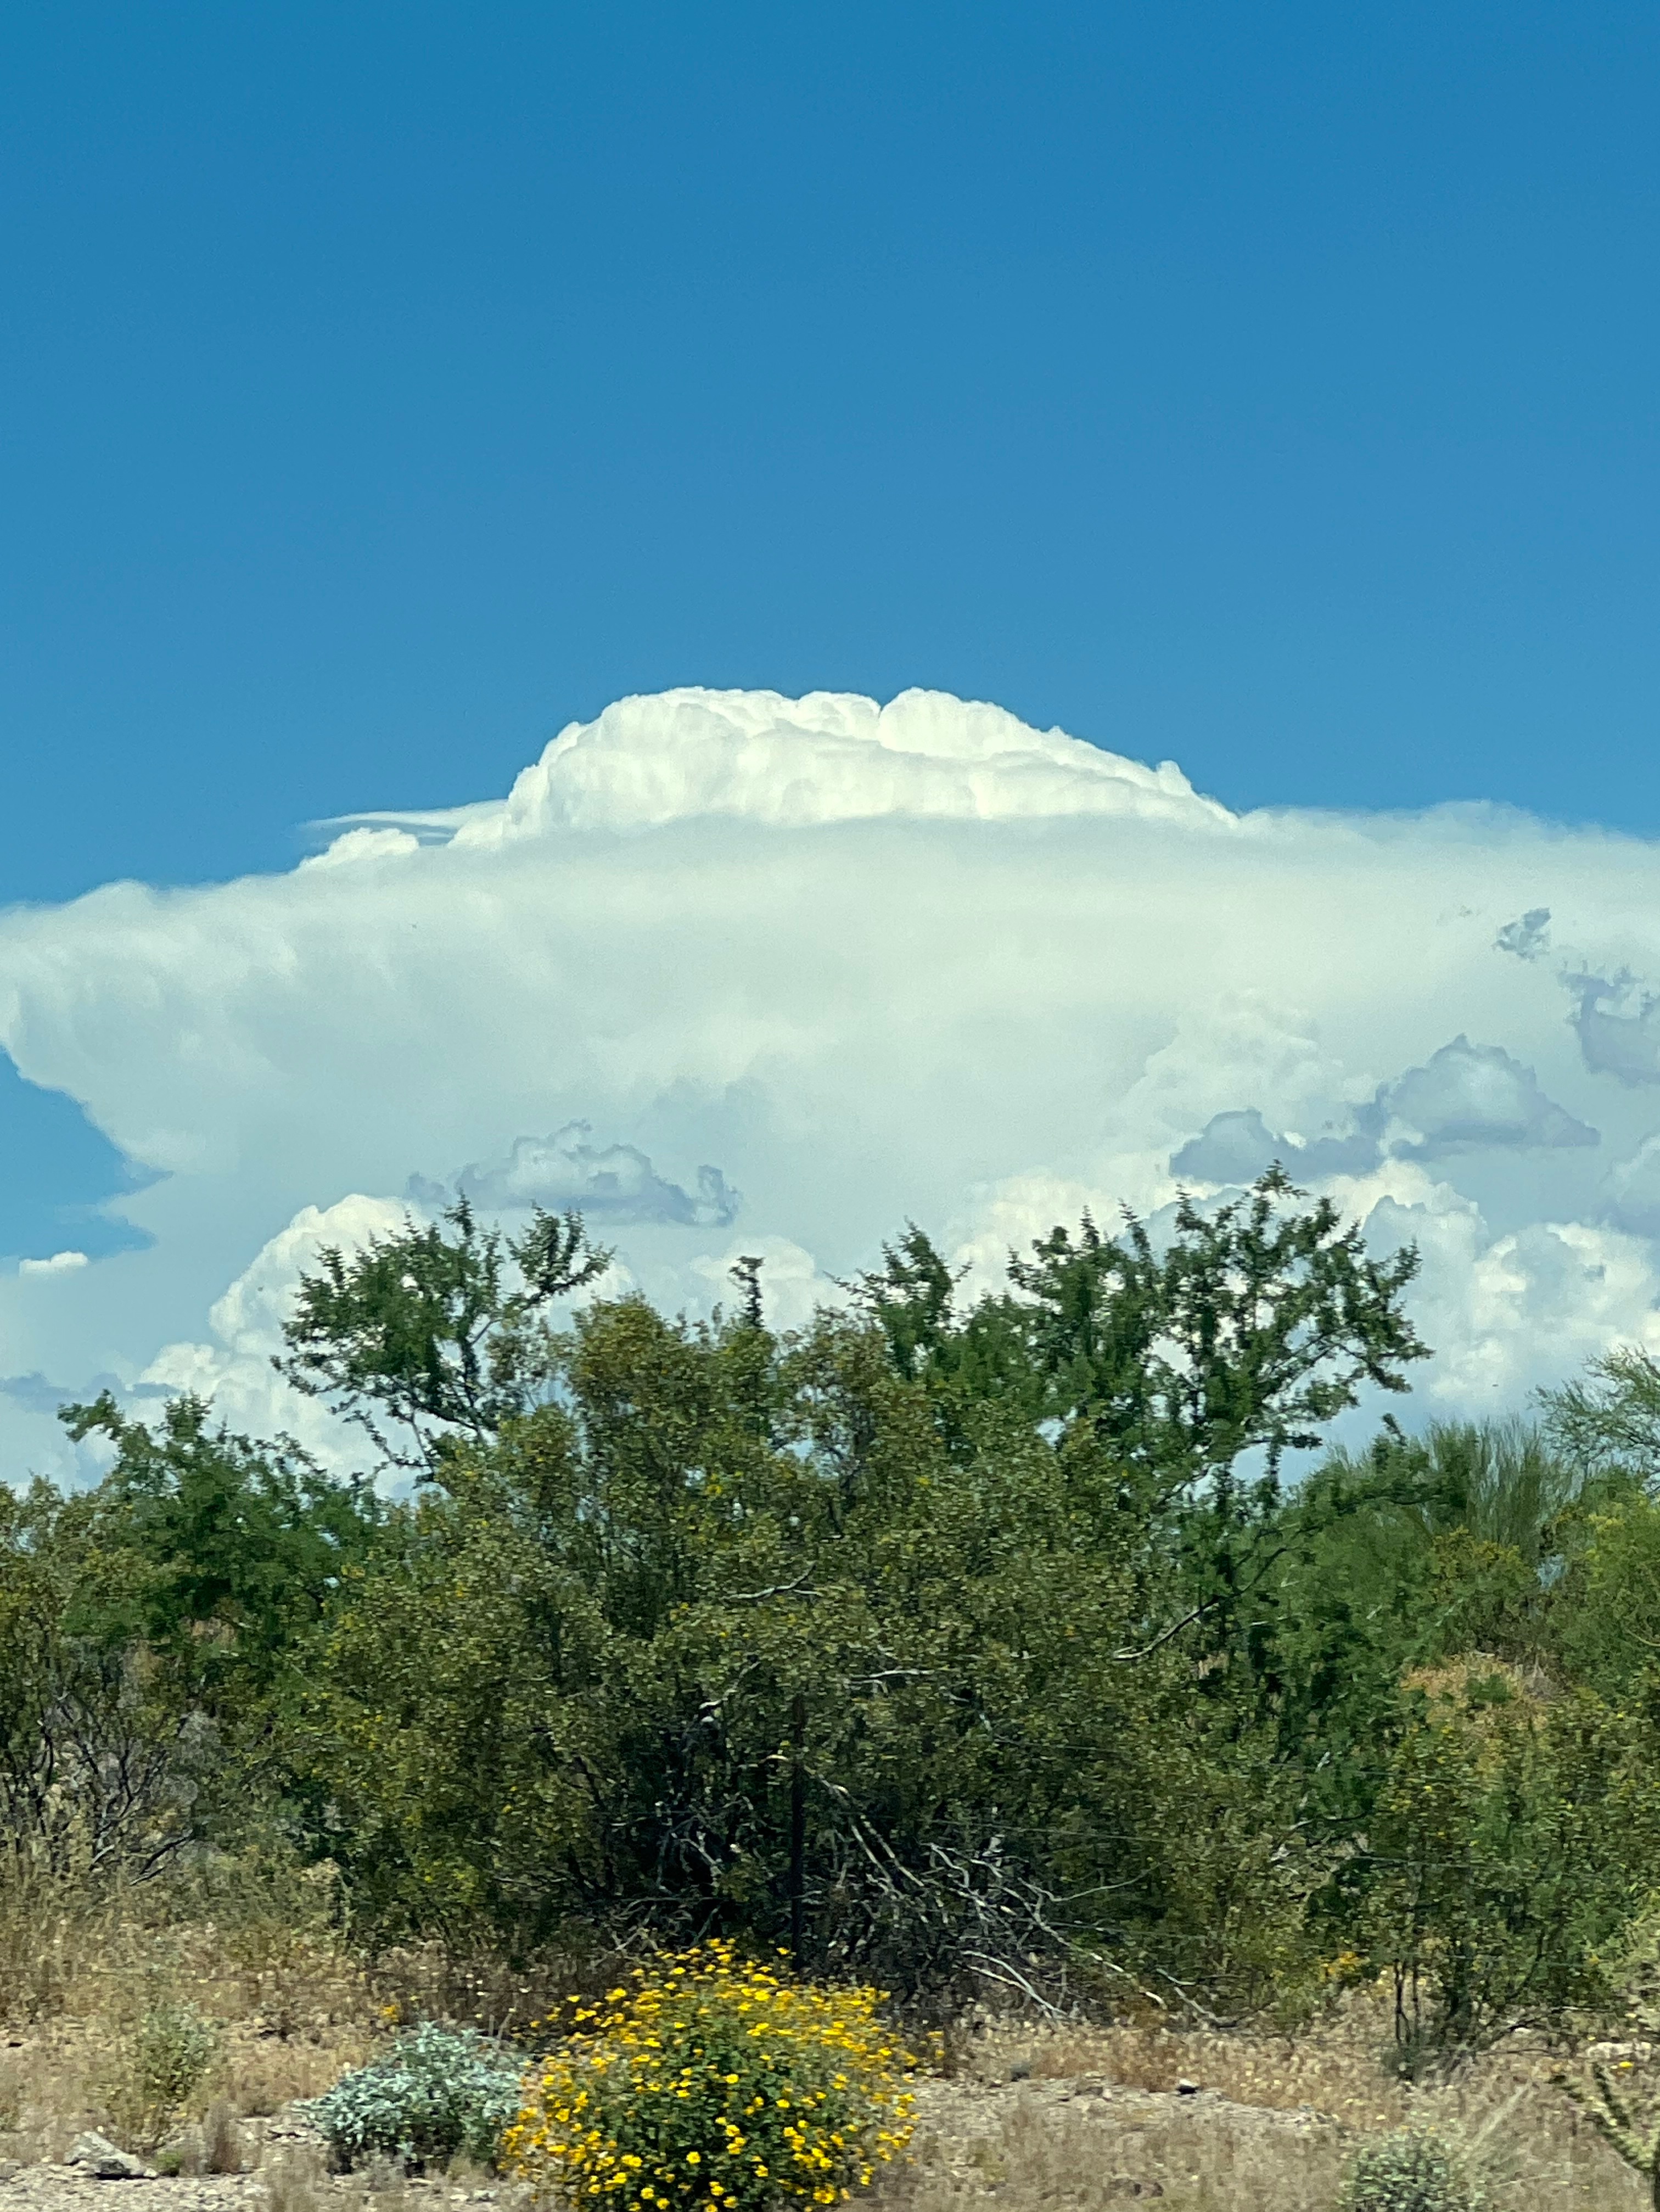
(436, 1333)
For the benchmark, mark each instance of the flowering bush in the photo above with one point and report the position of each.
(716, 2083)
(436, 2092)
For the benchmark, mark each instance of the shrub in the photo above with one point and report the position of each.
(1410, 2170)
(168, 2056)
(436, 2092)
(713, 2083)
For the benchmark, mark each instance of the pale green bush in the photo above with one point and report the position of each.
(436, 2092)
(1410, 2170)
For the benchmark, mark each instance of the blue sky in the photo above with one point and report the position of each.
(1271, 388)
(1268, 389)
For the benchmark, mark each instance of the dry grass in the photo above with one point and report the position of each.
(1037, 2155)
(82, 1967)
(1277, 2129)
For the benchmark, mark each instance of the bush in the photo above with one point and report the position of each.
(436, 2092)
(163, 2065)
(715, 2083)
(1410, 2170)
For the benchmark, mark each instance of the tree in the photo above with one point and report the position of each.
(1609, 1421)
(434, 1335)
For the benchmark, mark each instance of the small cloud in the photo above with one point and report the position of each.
(1527, 937)
(1472, 1097)
(35, 1393)
(1231, 1148)
(1624, 1046)
(364, 844)
(61, 1263)
(611, 1183)
(792, 1286)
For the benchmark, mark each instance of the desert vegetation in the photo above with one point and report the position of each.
(1036, 1659)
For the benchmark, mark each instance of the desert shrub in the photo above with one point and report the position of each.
(1409, 2170)
(436, 2092)
(714, 2082)
(1515, 1841)
(163, 2064)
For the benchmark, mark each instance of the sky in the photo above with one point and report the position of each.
(387, 390)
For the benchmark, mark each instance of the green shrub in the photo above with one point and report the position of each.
(1410, 2170)
(164, 2063)
(436, 2092)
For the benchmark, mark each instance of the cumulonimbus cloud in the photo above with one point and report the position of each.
(917, 960)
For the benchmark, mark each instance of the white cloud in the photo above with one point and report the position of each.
(793, 1284)
(829, 757)
(234, 1366)
(870, 963)
(61, 1263)
(355, 846)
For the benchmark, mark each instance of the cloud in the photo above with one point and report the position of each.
(1465, 1098)
(1468, 1098)
(878, 962)
(34, 1394)
(362, 844)
(829, 757)
(1624, 1046)
(793, 1284)
(1632, 1190)
(613, 1184)
(1236, 1147)
(1529, 938)
(61, 1263)
(232, 1366)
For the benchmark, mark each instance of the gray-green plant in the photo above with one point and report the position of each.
(436, 2092)
(1411, 2169)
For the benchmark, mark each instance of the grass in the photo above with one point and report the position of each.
(1279, 2128)
(166, 2017)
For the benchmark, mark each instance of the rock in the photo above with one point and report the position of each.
(105, 2160)
(1621, 2054)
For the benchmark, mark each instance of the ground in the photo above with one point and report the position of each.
(1023, 2120)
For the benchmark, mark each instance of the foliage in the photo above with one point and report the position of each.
(1609, 1418)
(436, 2092)
(714, 2081)
(1513, 1844)
(151, 1634)
(955, 1643)
(435, 1334)
(166, 2060)
(1409, 2170)
(1606, 1619)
